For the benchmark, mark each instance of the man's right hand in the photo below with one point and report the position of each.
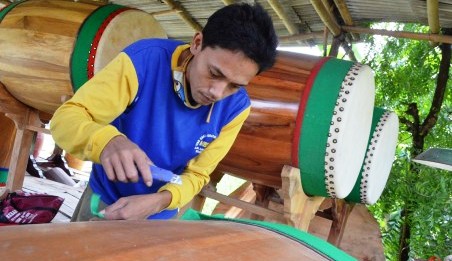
(123, 160)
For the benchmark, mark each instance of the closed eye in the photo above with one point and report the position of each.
(214, 74)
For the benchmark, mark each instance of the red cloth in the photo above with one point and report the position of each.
(29, 208)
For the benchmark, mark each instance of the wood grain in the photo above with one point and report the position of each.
(149, 240)
(7, 134)
(264, 144)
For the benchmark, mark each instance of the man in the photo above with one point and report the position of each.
(179, 107)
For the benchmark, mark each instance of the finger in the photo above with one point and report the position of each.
(119, 171)
(112, 211)
(130, 171)
(109, 170)
(145, 170)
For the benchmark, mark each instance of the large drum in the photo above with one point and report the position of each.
(159, 240)
(50, 48)
(310, 112)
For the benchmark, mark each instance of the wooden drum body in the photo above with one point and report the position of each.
(154, 240)
(50, 48)
(309, 112)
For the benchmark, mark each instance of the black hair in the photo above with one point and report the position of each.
(246, 28)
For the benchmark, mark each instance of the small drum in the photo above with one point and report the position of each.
(379, 158)
(309, 112)
(50, 48)
(158, 240)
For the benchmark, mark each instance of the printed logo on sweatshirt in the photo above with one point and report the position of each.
(203, 142)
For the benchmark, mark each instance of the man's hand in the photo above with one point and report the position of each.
(139, 206)
(122, 160)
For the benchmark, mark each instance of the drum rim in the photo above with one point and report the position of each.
(88, 36)
(312, 168)
(6, 9)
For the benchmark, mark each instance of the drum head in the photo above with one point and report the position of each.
(124, 29)
(379, 158)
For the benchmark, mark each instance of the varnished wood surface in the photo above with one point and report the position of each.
(149, 240)
(37, 39)
(264, 144)
(7, 134)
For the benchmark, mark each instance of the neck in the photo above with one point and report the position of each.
(186, 54)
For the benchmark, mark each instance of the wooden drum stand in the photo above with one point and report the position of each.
(27, 121)
(296, 209)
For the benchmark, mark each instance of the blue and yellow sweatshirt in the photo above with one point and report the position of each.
(133, 96)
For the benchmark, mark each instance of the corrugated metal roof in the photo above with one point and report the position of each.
(300, 13)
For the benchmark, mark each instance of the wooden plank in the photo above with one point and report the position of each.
(70, 194)
(241, 204)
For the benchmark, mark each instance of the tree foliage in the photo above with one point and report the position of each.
(405, 73)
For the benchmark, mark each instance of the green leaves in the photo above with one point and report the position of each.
(406, 72)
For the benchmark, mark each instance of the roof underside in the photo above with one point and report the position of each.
(300, 14)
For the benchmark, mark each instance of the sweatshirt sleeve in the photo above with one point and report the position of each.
(81, 126)
(197, 173)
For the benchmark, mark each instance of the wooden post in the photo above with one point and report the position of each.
(262, 193)
(299, 209)
(22, 145)
(27, 122)
(340, 211)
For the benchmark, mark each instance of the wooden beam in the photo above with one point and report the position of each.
(433, 16)
(278, 8)
(184, 15)
(166, 12)
(301, 37)
(326, 16)
(345, 14)
(349, 51)
(400, 34)
(228, 2)
(325, 41)
(241, 204)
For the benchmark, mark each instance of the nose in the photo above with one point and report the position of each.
(217, 89)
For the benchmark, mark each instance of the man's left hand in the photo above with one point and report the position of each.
(138, 207)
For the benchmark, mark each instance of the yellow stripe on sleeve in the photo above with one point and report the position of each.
(81, 126)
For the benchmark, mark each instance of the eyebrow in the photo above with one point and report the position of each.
(220, 73)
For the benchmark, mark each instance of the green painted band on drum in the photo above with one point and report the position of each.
(3, 176)
(316, 125)
(8, 8)
(355, 195)
(82, 47)
(304, 238)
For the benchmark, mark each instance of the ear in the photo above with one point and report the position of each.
(196, 44)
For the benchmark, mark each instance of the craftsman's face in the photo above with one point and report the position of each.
(216, 73)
